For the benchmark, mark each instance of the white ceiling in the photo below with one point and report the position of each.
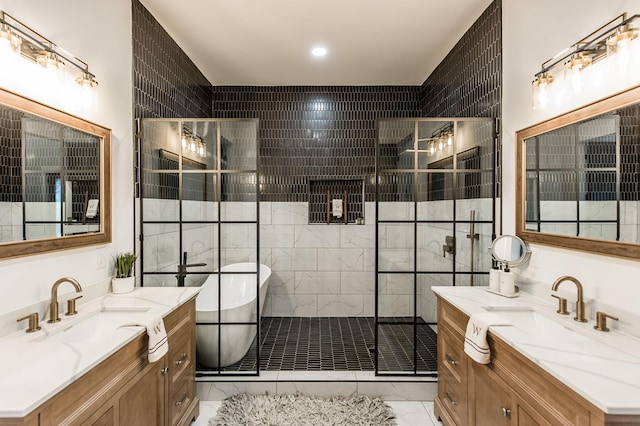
(268, 42)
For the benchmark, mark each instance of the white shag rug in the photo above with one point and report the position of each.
(299, 410)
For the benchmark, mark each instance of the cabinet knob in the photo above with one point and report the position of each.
(184, 398)
(164, 371)
(451, 360)
(506, 412)
(182, 360)
(448, 395)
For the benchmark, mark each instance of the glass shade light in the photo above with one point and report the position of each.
(618, 48)
(450, 139)
(86, 80)
(540, 88)
(573, 70)
(50, 61)
(8, 38)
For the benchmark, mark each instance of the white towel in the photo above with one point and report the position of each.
(336, 206)
(475, 339)
(158, 344)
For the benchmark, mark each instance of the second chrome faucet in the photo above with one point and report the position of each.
(580, 316)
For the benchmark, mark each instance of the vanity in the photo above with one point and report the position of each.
(89, 371)
(545, 368)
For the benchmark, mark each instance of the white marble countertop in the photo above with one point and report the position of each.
(604, 368)
(32, 371)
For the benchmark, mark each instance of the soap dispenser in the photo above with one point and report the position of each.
(507, 281)
(494, 276)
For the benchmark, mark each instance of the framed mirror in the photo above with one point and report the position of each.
(55, 179)
(578, 178)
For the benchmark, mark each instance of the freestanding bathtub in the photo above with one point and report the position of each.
(238, 304)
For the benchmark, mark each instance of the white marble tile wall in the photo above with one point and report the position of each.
(320, 270)
(10, 222)
(317, 270)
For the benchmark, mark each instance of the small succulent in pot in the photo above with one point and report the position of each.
(124, 264)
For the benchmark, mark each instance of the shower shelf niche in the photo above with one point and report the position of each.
(322, 192)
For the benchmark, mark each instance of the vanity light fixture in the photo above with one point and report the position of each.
(193, 143)
(28, 43)
(609, 43)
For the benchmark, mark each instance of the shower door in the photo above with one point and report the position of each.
(198, 213)
(436, 214)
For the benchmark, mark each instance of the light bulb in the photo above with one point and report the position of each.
(450, 140)
(440, 145)
(184, 141)
(192, 146)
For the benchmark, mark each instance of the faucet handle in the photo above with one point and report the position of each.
(562, 305)
(601, 321)
(71, 306)
(34, 324)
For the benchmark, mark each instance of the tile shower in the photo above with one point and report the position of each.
(323, 273)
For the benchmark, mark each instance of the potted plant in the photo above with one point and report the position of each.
(123, 280)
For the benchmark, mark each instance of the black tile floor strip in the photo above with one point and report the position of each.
(338, 343)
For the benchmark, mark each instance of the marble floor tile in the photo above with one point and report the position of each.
(208, 410)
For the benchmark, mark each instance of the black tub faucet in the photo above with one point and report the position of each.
(182, 269)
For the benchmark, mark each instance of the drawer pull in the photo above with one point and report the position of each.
(451, 400)
(451, 360)
(164, 371)
(184, 398)
(182, 360)
(506, 412)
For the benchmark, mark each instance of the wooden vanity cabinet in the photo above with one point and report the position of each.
(510, 390)
(125, 389)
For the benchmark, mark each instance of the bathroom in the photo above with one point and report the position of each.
(513, 45)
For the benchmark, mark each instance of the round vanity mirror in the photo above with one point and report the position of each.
(509, 250)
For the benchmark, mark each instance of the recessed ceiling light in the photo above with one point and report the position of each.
(319, 51)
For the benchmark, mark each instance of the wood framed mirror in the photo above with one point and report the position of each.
(55, 179)
(578, 178)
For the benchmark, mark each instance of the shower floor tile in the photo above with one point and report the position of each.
(338, 343)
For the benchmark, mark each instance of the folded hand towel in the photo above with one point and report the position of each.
(158, 344)
(475, 339)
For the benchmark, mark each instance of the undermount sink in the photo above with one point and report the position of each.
(95, 326)
(536, 325)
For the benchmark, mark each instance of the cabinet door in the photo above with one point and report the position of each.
(143, 403)
(492, 405)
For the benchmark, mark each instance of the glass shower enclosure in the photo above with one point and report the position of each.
(437, 206)
(198, 210)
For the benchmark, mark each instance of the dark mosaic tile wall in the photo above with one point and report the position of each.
(166, 83)
(315, 132)
(467, 83)
(10, 155)
(630, 153)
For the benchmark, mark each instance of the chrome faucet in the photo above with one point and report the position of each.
(54, 315)
(579, 302)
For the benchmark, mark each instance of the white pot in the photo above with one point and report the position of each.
(123, 285)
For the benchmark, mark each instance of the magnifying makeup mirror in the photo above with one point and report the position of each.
(509, 251)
